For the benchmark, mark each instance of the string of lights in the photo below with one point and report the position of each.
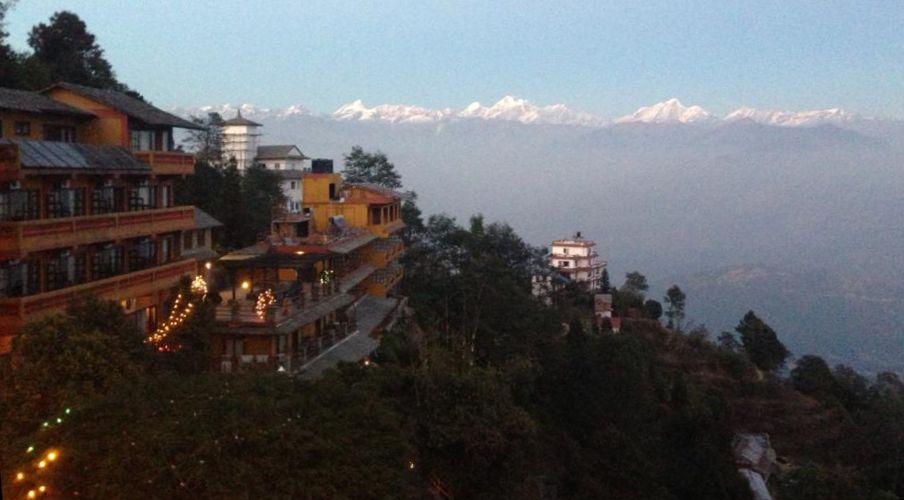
(33, 482)
(178, 314)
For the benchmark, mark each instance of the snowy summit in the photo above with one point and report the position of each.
(671, 111)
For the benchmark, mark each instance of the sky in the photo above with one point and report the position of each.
(605, 57)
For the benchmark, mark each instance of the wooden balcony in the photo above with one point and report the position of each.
(15, 311)
(383, 252)
(23, 237)
(287, 315)
(168, 162)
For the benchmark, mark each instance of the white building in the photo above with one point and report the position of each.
(289, 162)
(240, 140)
(577, 259)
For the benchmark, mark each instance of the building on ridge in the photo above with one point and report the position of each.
(577, 259)
(87, 205)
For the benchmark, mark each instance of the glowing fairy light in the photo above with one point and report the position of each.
(199, 286)
(264, 300)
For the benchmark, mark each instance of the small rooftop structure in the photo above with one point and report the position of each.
(126, 104)
(239, 120)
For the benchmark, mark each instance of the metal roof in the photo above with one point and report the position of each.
(33, 102)
(128, 105)
(204, 220)
(67, 155)
(239, 120)
(278, 152)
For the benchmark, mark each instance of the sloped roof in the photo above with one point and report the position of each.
(131, 106)
(204, 220)
(239, 120)
(65, 155)
(278, 152)
(33, 102)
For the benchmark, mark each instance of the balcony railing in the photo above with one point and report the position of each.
(168, 162)
(287, 313)
(307, 350)
(23, 237)
(14, 311)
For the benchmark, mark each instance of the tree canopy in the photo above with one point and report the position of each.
(375, 168)
(761, 343)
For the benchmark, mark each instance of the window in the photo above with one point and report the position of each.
(202, 238)
(167, 253)
(276, 166)
(142, 140)
(65, 269)
(188, 240)
(143, 197)
(106, 262)
(142, 255)
(18, 279)
(19, 205)
(106, 199)
(565, 251)
(65, 202)
(293, 185)
(59, 133)
(564, 263)
(23, 128)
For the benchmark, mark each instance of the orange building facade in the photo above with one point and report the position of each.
(322, 274)
(87, 205)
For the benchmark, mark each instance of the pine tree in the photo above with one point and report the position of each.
(604, 281)
(675, 299)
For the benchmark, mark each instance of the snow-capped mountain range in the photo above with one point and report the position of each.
(510, 108)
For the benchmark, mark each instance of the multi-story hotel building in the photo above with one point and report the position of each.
(86, 204)
(323, 275)
(577, 259)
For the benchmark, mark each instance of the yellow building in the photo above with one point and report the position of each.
(334, 204)
(323, 276)
(87, 205)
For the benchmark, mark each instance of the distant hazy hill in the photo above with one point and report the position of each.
(858, 323)
(825, 191)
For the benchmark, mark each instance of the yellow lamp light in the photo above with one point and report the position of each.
(246, 285)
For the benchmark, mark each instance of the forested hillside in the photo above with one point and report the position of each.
(483, 392)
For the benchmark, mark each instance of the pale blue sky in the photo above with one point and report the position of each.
(604, 57)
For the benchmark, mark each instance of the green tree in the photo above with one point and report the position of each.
(728, 342)
(812, 376)
(654, 309)
(676, 301)
(66, 359)
(207, 143)
(374, 168)
(9, 64)
(761, 343)
(71, 53)
(230, 206)
(262, 197)
(605, 286)
(636, 282)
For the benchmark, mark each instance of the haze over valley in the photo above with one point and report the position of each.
(793, 214)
